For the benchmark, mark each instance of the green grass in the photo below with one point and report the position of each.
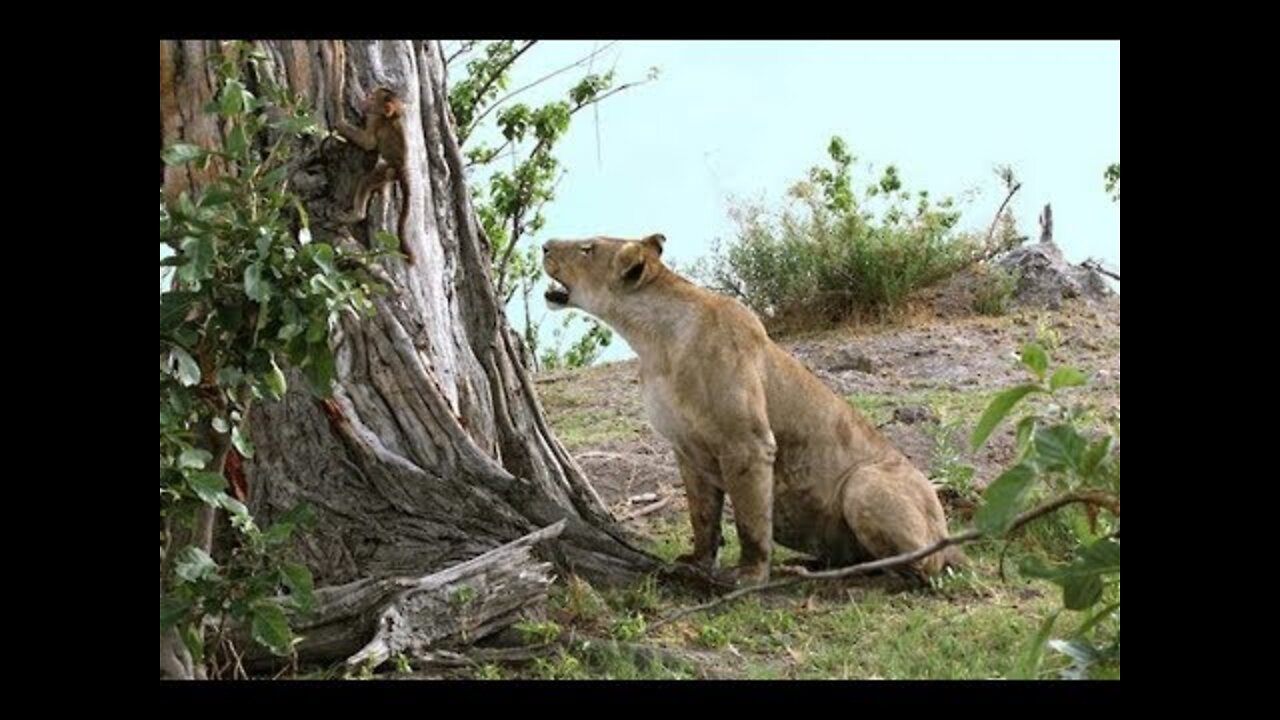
(910, 637)
(587, 428)
(971, 626)
(950, 405)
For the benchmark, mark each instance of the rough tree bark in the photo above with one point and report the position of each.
(434, 448)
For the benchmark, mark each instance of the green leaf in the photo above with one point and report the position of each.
(182, 153)
(194, 458)
(1028, 666)
(254, 286)
(263, 243)
(230, 376)
(215, 197)
(1103, 556)
(1026, 426)
(275, 380)
(298, 579)
(278, 533)
(174, 306)
(187, 336)
(322, 285)
(297, 125)
(185, 206)
(304, 220)
(240, 517)
(1079, 525)
(273, 178)
(1101, 614)
(220, 425)
(998, 410)
(318, 329)
(193, 638)
(300, 515)
(1060, 447)
(237, 141)
(1094, 456)
(188, 369)
(387, 241)
(231, 316)
(319, 369)
(194, 564)
(172, 610)
(208, 486)
(200, 251)
(241, 441)
(1100, 558)
(1034, 357)
(296, 349)
(322, 254)
(1003, 498)
(233, 98)
(271, 629)
(1066, 377)
(264, 316)
(1081, 592)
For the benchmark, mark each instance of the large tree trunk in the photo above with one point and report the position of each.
(434, 448)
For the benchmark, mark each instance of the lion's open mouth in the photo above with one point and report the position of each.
(557, 294)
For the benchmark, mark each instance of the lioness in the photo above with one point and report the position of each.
(800, 464)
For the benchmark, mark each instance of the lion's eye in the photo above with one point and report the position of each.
(585, 249)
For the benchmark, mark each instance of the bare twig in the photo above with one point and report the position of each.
(1013, 188)
(239, 661)
(1105, 500)
(1000, 563)
(592, 454)
(463, 47)
(647, 509)
(1096, 266)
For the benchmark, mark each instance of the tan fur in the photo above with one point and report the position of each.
(802, 466)
(383, 132)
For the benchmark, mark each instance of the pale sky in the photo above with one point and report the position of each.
(745, 119)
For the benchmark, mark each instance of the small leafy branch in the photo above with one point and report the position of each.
(251, 294)
(1053, 452)
(581, 353)
(511, 206)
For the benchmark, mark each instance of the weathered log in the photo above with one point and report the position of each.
(369, 621)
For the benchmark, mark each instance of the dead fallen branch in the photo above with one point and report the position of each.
(1098, 499)
(369, 621)
(1096, 266)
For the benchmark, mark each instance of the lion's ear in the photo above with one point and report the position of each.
(655, 241)
(630, 264)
